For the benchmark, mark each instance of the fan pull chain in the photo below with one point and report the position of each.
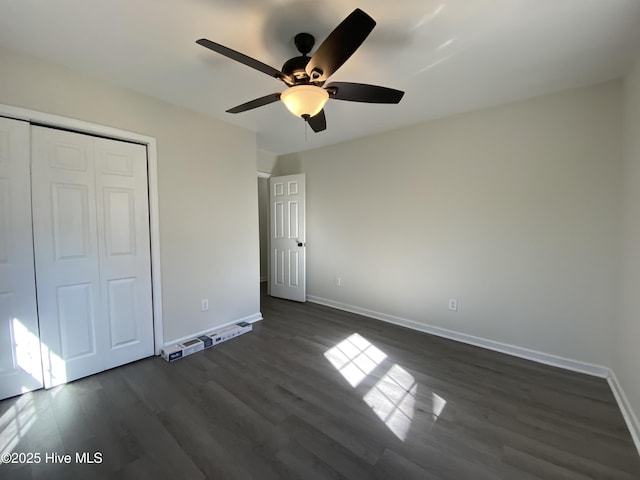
(306, 129)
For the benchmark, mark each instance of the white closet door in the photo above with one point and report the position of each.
(85, 230)
(66, 252)
(123, 240)
(20, 366)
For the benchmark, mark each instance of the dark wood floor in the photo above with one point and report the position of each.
(315, 393)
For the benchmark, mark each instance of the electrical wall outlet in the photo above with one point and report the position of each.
(204, 304)
(337, 281)
(453, 304)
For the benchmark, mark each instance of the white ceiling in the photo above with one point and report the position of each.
(449, 56)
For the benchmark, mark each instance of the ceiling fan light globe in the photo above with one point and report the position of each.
(303, 100)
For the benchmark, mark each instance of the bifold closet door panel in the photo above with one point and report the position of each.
(123, 242)
(91, 232)
(20, 365)
(66, 254)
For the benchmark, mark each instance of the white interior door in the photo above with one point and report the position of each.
(287, 237)
(20, 365)
(91, 254)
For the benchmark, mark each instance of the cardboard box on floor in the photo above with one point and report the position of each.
(176, 351)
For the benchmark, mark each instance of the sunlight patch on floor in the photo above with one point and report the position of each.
(393, 397)
(355, 358)
(393, 400)
(15, 423)
(438, 404)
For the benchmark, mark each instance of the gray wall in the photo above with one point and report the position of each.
(627, 350)
(207, 188)
(515, 211)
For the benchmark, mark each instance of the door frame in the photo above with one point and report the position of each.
(80, 126)
(267, 175)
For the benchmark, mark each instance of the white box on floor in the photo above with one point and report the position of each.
(230, 332)
(178, 350)
(172, 353)
(192, 346)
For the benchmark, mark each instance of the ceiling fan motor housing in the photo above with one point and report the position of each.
(295, 67)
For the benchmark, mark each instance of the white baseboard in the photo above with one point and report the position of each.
(516, 351)
(256, 317)
(625, 407)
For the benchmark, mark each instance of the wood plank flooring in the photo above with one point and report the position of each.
(316, 393)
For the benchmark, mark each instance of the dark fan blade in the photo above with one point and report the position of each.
(318, 123)
(361, 92)
(340, 45)
(244, 59)
(258, 102)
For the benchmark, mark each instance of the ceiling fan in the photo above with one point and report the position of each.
(305, 76)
